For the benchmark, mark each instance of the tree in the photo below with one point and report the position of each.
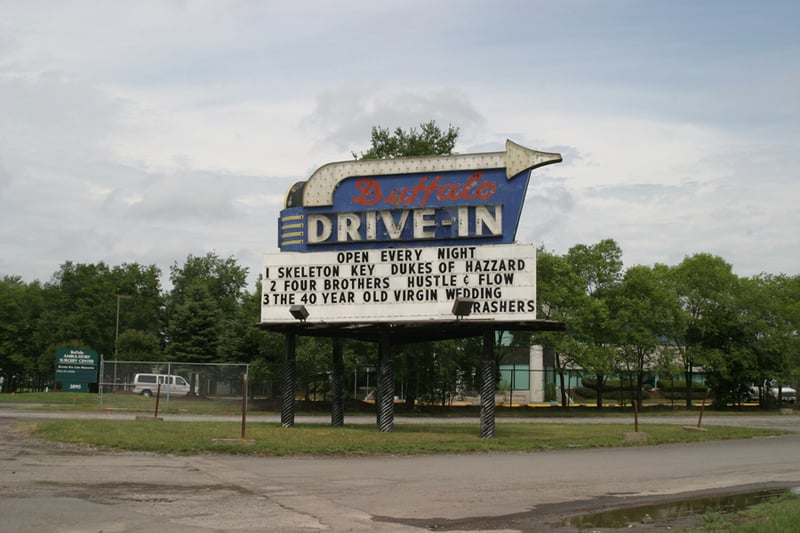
(313, 362)
(137, 345)
(212, 287)
(194, 326)
(594, 342)
(643, 309)
(456, 367)
(430, 140)
(769, 315)
(792, 313)
(574, 289)
(704, 286)
(560, 294)
(240, 341)
(82, 303)
(599, 266)
(21, 305)
(409, 358)
(144, 311)
(224, 279)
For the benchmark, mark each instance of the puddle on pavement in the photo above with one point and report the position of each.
(661, 515)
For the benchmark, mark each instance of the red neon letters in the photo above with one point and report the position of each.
(473, 188)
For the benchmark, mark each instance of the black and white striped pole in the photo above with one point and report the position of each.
(337, 383)
(385, 397)
(487, 387)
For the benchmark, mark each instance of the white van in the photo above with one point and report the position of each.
(788, 394)
(147, 384)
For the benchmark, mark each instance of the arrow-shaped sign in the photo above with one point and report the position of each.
(318, 190)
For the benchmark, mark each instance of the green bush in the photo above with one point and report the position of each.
(679, 385)
(608, 395)
(681, 395)
(609, 385)
(585, 392)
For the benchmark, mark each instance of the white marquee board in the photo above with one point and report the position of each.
(401, 284)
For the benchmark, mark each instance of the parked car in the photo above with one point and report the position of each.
(148, 384)
(787, 393)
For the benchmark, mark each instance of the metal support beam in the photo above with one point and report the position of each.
(487, 386)
(289, 380)
(337, 383)
(385, 397)
(378, 389)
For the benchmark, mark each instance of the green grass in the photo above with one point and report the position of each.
(126, 402)
(66, 401)
(777, 516)
(53, 398)
(188, 438)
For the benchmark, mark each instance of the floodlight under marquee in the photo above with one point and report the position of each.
(299, 312)
(462, 307)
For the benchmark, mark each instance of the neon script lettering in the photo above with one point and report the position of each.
(418, 195)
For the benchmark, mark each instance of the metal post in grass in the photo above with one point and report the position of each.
(100, 383)
(702, 408)
(289, 381)
(158, 396)
(337, 385)
(487, 386)
(244, 407)
(170, 379)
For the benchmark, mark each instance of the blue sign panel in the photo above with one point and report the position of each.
(421, 201)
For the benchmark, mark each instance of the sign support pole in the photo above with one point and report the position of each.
(385, 397)
(487, 386)
(337, 385)
(289, 381)
(100, 383)
(379, 394)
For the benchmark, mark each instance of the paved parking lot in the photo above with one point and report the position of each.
(48, 487)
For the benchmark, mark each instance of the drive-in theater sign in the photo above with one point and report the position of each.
(404, 250)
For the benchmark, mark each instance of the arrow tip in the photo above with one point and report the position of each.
(519, 158)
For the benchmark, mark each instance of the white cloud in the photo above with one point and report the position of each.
(343, 114)
(149, 130)
(748, 219)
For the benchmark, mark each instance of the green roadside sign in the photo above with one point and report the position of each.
(76, 369)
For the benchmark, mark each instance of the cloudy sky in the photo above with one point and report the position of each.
(147, 131)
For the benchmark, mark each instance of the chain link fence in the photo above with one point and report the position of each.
(170, 380)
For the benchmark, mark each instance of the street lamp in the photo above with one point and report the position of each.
(116, 330)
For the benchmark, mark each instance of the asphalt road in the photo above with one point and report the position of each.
(46, 487)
